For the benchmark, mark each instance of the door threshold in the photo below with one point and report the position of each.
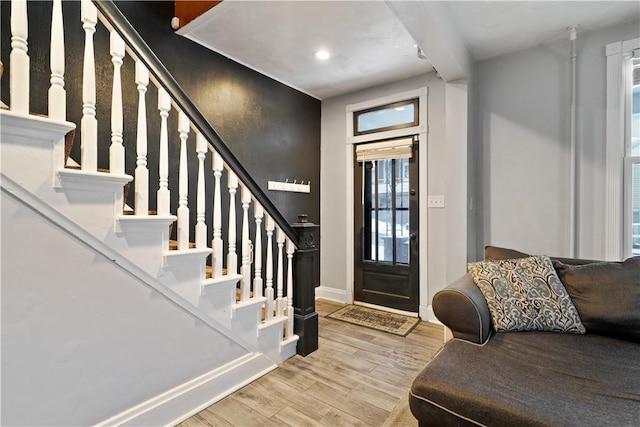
(388, 309)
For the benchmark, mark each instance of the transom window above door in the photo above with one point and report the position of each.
(397, 115)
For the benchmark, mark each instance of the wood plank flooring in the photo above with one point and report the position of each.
(358, 377)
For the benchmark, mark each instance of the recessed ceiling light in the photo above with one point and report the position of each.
(322, 54)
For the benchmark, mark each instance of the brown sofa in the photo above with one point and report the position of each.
(482, 377)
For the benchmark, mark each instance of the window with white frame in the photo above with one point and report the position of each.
(623, 149)
(632, 156)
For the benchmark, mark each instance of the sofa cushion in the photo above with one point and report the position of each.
(537, 378)
(525, 295)
(497, 253)
(606, 295)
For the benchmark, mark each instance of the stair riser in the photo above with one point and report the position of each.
(218, 304)
(269, 339)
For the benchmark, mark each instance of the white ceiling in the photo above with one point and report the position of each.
(370, 45)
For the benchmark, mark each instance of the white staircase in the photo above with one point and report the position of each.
(253, 312)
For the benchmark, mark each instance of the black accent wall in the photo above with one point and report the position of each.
(272, 129)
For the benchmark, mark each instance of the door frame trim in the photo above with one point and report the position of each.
(421, 130)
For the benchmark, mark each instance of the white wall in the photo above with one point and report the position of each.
(446, 175)
(522, 118)
(83, 340)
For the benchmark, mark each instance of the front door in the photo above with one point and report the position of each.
(386, 227)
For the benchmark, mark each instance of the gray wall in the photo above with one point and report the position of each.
(83, 340)
(522, 112)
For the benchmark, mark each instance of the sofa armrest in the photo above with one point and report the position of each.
(463, 309)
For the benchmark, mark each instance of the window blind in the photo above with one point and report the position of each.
(394, 149)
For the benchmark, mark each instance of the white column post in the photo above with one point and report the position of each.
(280, 301)
(57, 94)
(19, 58)
(268, 292)
(232, 257)
(183, 184)
(245, 269)
(216, 243)
(116, 150)
(142, 173)
(201, 227)
(89, 124)
(164, 195)
(290, 250)
(258, 213)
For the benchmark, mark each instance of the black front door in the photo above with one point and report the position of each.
(386, 227)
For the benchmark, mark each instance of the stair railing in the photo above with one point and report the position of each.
(278, 301)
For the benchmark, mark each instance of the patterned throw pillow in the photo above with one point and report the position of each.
(526, 295)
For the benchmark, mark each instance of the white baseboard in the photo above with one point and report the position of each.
(426, 313)
(176, 405)
(332, 294)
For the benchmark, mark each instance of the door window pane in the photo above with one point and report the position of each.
(402, 211)
(385, 212)
(635, 209)
(370, 221)
(635, 120)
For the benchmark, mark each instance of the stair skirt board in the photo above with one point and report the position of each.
(179, 403)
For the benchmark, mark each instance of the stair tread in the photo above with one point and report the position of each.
(151, 213)
(102, 170)
(173, 245)
(209, 272)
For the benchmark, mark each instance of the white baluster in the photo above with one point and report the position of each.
(164, 195)
(18, 58)
(116, 151)
(216, 243)
(280, 301)
(201, 227)
(142, 173)
(232, 257)
(290, 250)
(245, 270)
(57, 94)
(268, 292)
(89, 124)
(183, 185)
(258, 213)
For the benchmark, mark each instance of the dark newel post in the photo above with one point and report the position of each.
(304, 298)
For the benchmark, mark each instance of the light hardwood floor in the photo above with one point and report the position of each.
(357, 377)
